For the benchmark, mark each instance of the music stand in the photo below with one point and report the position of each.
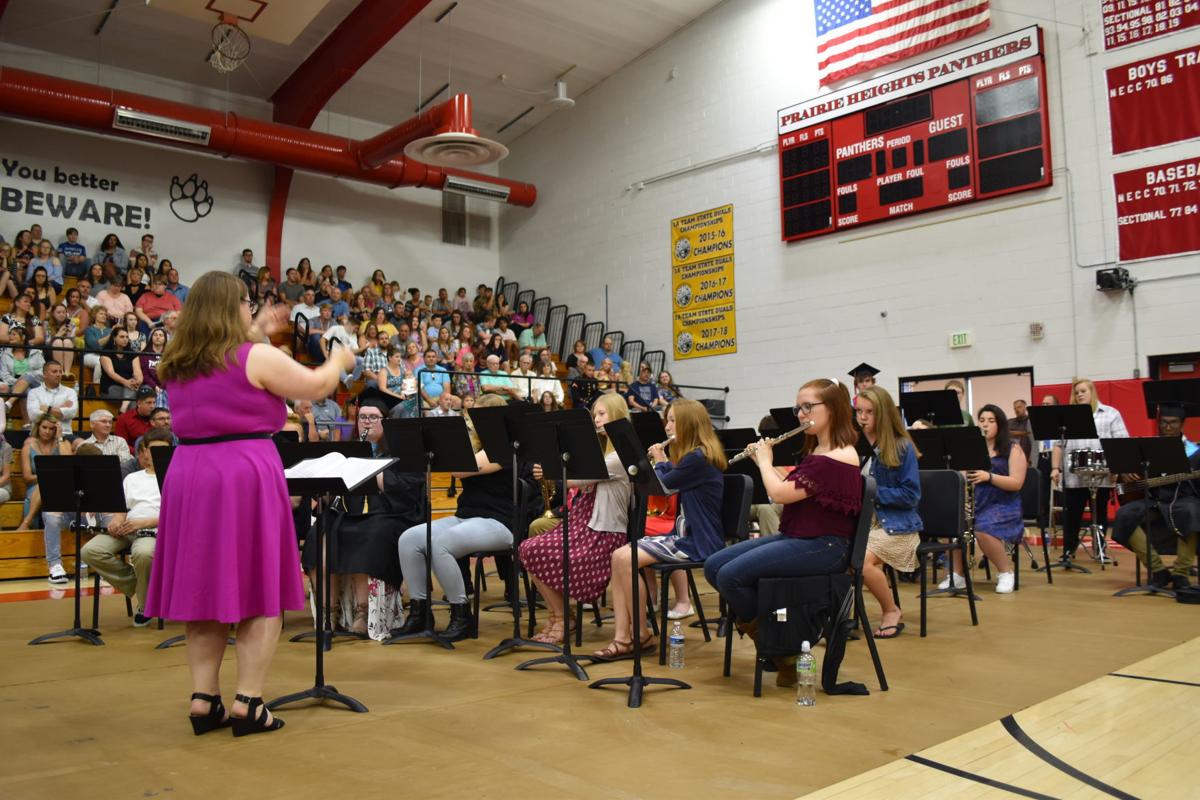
(938, 408)
(79, 484)
(500, 430)
(1146, 456)
(736, 439)
(645, 483)
(785, 418)
(1061, 423)
(1183, 392)
(958, 448)
(425, 445)
(564, 443)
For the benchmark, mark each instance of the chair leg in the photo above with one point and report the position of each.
(691, 578)
(729, 632)
(128, 606)
(95, 599)
(1016, 559)
(530, 602)
(1046, 556)
(578, 623)
(475, 602)
(987, 568)
(664, 587)
(970, 586)
(861, 610)
(894, 582)
(758, 671)
(924, 587)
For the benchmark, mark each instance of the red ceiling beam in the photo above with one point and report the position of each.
(362, 34)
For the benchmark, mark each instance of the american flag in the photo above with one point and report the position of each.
(858, 35)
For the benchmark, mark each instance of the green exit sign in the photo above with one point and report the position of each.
(960, 339)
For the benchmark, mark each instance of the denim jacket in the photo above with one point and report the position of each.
(898, 492)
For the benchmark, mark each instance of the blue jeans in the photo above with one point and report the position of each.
(56, 522)
(735, 571)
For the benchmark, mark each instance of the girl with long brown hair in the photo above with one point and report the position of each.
(821, 500)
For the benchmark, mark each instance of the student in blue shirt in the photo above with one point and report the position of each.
(74, 255)
(46, 259)
(432, 379)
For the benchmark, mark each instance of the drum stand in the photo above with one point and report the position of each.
(1099, 539)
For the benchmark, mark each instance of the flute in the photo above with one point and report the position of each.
(803, 426)
(664, 443)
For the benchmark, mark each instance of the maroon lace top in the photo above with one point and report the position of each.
(833, 502)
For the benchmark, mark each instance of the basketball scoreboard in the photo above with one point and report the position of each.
(966, 126)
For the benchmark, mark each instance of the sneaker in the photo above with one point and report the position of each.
(1004, 582)
(58, 575)
(959, 582)
(140, 620)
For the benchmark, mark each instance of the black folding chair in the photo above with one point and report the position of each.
(943, 512)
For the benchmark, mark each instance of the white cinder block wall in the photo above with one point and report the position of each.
(816, 308)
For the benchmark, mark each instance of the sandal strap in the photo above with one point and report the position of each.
(211, 698)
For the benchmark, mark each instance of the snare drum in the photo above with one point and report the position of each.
(1087, 462)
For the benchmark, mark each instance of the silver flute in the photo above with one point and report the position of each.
(803, 426)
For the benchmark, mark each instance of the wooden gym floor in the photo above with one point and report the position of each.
(109, 722)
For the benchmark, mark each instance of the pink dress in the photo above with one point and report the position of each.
(590, 552)
(226, 547)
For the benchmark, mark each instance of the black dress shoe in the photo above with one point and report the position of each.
(1161, 579)
(1180, 582)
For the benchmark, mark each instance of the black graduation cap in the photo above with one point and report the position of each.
(1172, 410)
(863, 370)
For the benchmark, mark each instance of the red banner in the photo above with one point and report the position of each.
(1131, 21)
(1158, 210)
(1153, 102)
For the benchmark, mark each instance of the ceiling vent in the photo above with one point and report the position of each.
(125, 119)
(455, 150)
(471, 188)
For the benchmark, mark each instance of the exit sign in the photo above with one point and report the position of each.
(960, 339)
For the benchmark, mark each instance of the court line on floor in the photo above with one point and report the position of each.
(1156, 680)
(971, 776)
(1017, 732)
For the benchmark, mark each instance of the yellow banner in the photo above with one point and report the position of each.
(702, 288)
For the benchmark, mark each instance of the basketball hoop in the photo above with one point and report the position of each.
(230, 46)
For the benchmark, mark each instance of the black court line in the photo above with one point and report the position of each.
(1156, 680)
(1018, 733)
(971, 776)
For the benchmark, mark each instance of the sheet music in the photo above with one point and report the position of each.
(351, 471)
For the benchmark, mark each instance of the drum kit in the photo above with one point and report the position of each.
(1091, 467)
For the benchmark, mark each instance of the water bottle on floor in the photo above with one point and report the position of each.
(806, 677)
(676, 642)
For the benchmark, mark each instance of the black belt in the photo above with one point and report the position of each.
(229, 437)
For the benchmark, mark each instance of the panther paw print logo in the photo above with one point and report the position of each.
(190, 200)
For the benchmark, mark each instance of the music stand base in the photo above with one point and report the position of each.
(1069, 565)
(166, 644)
(1147, 589)
(636, 684)
(569, 660)
(432, 636)
(320, 694)
(89, 635)
(327, 637)
(513, 642)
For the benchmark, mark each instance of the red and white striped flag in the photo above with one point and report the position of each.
(857, 35)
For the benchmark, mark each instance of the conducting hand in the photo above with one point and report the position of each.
(272, 319)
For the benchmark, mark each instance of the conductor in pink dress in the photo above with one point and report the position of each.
(226, 548)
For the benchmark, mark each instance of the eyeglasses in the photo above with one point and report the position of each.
(805, 407)
(369, 417)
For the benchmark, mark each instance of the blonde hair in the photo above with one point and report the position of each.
(694, 430)
(209, 331)
(617, 408)
(890, 436)
(1091, 388)
(486, 401)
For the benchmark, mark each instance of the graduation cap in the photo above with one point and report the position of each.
(863, 370)
(1172, 410)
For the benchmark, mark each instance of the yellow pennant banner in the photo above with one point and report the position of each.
(704, 308)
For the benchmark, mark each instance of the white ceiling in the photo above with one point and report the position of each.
(530, 41)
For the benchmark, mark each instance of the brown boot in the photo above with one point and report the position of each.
(786, 675)
(748, 629)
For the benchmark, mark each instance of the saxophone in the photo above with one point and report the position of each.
(969, 516)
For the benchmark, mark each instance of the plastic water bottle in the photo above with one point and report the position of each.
(806, 677)
(676, 642)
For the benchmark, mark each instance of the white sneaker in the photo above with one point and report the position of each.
(959, 582)
(58, 575)
(1004, 582)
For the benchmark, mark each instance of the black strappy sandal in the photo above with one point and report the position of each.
(215, 718)
(252, 722)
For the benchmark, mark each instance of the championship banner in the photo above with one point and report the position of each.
(1153, 102)
(1129, 22)
(704, 308)
(1158, 211)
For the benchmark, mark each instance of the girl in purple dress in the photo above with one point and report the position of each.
(226, 551)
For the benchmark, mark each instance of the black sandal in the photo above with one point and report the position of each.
(215, 718)
(254, 723)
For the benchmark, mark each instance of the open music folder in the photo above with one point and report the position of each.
(351, 471)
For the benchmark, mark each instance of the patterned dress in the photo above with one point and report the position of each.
(590, 552)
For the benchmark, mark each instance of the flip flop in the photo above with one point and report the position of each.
(898, 628)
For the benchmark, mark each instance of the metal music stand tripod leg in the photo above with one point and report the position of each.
(323, 589)
(89, 635)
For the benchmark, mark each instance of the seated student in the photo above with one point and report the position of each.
(47, 260)
(365, 566)
(481, 522)
(895, 530)
(1175, 507)
(23, 316)
(317, 327)
(998, 520)
(45, 439)
(20, 367)
(74, 255)
(522, 318)
(121, 372)
(153, 304)
(132, 531)
(821, 501)
(135, 421)
(695, 473)
(96, 337)
(599, 515)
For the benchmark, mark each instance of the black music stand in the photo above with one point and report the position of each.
(425, 445)
(1146, 456)
(736, 439)
(80, 484)
(161, 456)
(645, 483)
(500, 430)
(785, 418)
(1182, 392)
(938, 408)
(564, 443)
(1061, 423)
(323, 489)
(959, 448)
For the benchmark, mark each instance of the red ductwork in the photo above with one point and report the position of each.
(44, 98)
(452, 116)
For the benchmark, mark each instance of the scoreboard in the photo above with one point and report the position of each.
(967, 126)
